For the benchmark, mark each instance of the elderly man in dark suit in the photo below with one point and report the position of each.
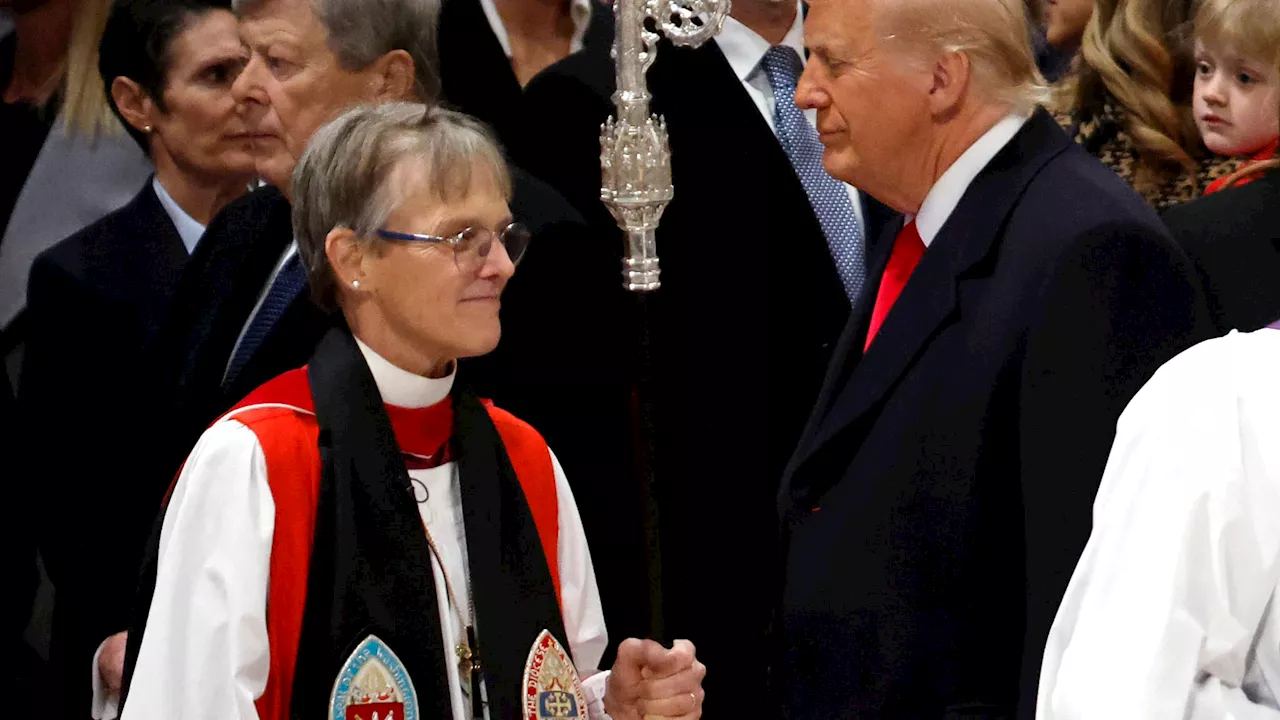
(940, 495)
(762, 254)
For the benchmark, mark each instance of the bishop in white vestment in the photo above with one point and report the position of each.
(1171, 612)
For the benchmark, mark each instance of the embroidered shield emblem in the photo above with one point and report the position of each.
(373, 685)
(552, 687)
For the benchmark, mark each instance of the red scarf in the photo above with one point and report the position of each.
(1262, 155)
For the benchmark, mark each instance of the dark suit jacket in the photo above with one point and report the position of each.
(18, 536)
(941, 494)
(476, 75)
(227, 274)
(95, 301)
(749, 311)
(1233, 237)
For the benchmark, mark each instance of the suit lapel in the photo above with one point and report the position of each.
(928, 302)
(159, 258)
(235, 273)
(855, 332)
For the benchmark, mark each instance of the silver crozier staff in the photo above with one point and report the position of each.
(635, 166)
(635, 159)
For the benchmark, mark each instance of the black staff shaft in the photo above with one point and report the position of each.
(643, 399)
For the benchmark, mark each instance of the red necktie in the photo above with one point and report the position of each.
(907, 251)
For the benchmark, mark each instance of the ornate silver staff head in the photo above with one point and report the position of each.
(635, 158)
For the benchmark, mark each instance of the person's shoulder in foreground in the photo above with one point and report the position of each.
(1169, 611)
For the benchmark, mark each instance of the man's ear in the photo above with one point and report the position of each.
(952, 74)
(393, 77)
(136, 106)
(346, 255)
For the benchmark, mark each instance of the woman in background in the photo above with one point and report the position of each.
(1129, 101)
(1064, 24)
(66, 162)
(96, 299)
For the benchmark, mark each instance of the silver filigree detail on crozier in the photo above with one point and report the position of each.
(635, 157)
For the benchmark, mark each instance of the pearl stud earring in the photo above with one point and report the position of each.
(355, 284)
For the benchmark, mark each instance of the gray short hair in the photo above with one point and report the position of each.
(361, 31)
(347, 177)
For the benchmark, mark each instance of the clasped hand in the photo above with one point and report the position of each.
(650, 681)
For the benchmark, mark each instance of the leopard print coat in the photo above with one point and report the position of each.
(1103, 135)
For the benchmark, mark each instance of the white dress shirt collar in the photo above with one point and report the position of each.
(951, 187)
(744, 48)
(188, 229)
(402, 388)
(579, 13)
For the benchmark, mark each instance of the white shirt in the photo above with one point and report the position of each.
(188, 229)
(1172, 610)
(745, 49)
(947, 192)
(579, 14)
(205, 653)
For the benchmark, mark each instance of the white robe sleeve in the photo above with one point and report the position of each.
(105, 703)
(580, 596)
(205, 652)
(1169, 596)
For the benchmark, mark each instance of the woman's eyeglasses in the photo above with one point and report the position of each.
(472, 246)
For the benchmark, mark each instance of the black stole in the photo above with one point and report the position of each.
(370, 570)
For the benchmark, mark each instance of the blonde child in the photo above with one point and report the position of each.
(1237, 83)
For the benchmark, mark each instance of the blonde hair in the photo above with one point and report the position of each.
(1132, 51)
(1250, 29)
(992, 33)
(85, 105)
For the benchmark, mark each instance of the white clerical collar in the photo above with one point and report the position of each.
(579, 14)
(402, 388)
(744, 48)
(188, 229)
(951, 187)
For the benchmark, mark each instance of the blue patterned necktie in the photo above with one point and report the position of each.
(828, 196)
(289, 283)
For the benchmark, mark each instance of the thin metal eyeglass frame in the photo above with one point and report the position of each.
(454, 241)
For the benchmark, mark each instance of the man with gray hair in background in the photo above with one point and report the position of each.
(940, 494)
(242, 313)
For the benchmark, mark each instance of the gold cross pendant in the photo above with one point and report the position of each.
(465, 663)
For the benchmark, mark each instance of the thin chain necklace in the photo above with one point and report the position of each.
(467, 652)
